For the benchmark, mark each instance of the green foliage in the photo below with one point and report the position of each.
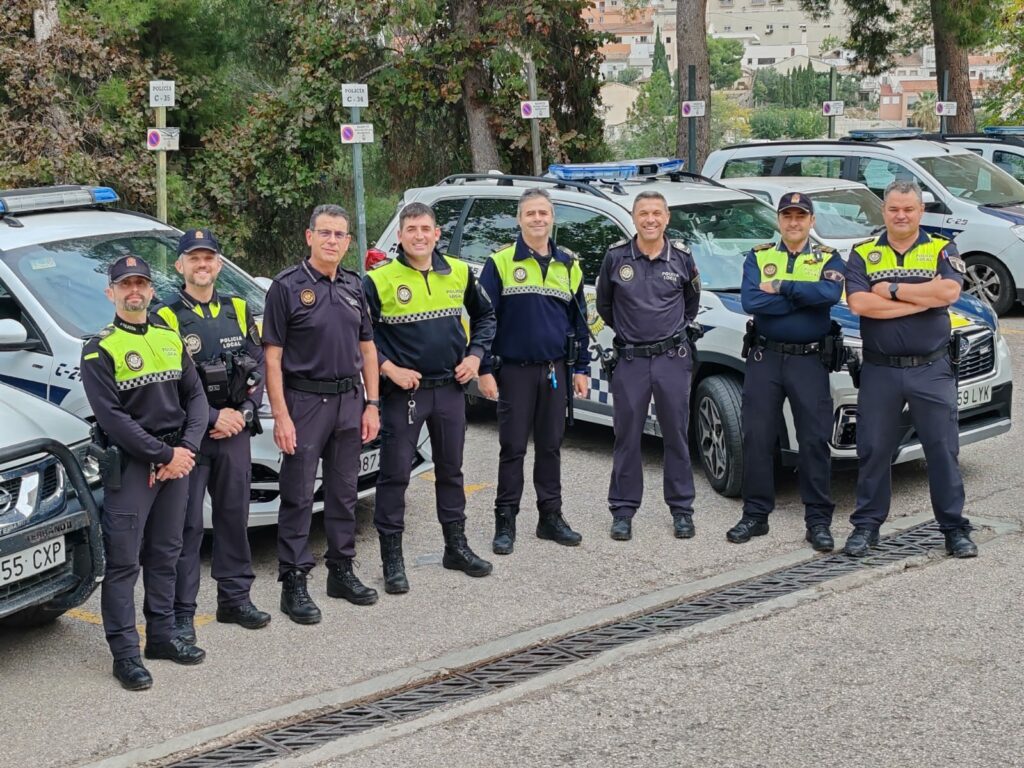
(724, 57)
(659, 61)
(774, 123)
(801, 87)
(730, 123)
(923, 113)
(628, 76)
(652, 121)
(1004, 104)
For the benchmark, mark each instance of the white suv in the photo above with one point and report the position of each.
(55, 245)
(477, 215)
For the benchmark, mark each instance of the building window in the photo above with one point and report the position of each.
(727, 29)
(748, 28)
(668, 41)
(785, 26)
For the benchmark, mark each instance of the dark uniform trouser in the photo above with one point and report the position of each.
(667, 378)
(527, 402)
(930, 391)
(444, 411)
(225, 467)
(328, 426)
(141, 528)
(770, 378)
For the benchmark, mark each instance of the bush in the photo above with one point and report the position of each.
(773, 123)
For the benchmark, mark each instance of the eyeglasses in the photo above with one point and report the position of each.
(325, 234)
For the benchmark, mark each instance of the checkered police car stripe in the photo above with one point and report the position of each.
(148, 378)
(433, 314)
(601, 392)
(514, 289)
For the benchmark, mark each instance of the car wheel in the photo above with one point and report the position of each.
(719, 434)
(989, 279)
(31, 617)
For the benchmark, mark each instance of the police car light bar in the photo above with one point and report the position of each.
(630, 169)
(881, 134)
(1004, 130)
(54, 198)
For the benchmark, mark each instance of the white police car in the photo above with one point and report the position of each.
(1001, 145)
(55, 245)
(477, 215)
(966, 197)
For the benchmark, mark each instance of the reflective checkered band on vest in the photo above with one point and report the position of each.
(885, 274)
(147, 378)
(509, 290)
(881, 262)
(417, 316)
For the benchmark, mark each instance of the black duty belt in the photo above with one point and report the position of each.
(789, 349)
(321, 386)
(650, 350)
(444, 381)
(905, 361)
(172, 438)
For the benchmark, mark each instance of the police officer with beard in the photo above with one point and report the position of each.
(220, 333)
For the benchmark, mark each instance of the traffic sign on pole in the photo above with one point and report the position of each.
(163, 139)
(161, 93)
(833, 108)
(693, 108)
(945, 108)
(355, 95)
(534, 110)
(357, 133)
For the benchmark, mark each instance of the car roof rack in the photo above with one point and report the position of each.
(38, 199)
(509, 179)
(691, 176)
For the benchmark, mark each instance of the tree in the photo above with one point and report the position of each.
(724, 57)
(652, 121)
(1005, 103)
(659, 62)
(628, 75)
(730, 123)
(923, 114)
(692, 49)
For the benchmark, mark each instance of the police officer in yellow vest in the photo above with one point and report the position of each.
(151, 412)
(220, 333)
(789, 289)
(416, 303)
(901, 283)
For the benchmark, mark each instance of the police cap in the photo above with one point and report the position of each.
(796, 200)
(194, 239)
(128, 266)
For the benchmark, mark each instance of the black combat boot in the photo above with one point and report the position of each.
(959, 544)
(504, 529)
(552, 527)
(820, 538)
(185, 629)
(295, 599)
(395, 582)
(682, 525)
(132, 675)
(457, 554)
(860, 541)
(342, 582)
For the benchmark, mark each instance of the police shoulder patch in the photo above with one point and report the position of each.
(568, 252)
(503, 247)
(619, 244)
(286, 271)
(763, 247)
(158, 321)
(957, 263)
(104, 332)
(939, 238)
(680, 245)
(824, 249)
(864, 242)
(834, 275)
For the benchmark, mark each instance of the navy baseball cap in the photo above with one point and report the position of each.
(796, 200)
(128, 266)
(194, 239)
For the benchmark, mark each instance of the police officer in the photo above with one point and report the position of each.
(789, 288)
(537, 292)
(901, 283)
(151, 412)
(317, 339)
(416, 302)
(220, 333)
(648, 292)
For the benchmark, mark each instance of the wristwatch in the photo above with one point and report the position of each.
(374, 403)
(776, 285)
(893, 287)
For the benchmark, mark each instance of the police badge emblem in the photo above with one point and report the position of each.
(134, 361)
(626, 272)
(519, 274)
(875, 256)
(958, 264)
(770, 270)
(193, 343)
(403, 294)
(308, 297)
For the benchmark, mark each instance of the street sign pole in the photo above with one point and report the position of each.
(161, 170)
(531, 83)
(691, 130)
(832, 97)
(357, 176)
(945, 97)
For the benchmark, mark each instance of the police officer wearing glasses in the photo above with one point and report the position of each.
(319, 349)
(791, 346)
(151, 413)
(220, 333)
(901, 283)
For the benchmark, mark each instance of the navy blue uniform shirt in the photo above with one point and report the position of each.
(915, 334)
(800, 313)
(318, 322)
(647, 300)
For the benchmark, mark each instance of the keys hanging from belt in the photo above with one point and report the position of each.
(551, 376)
(151, 481)
(412, 408)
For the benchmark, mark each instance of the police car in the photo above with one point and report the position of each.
(1001, 145)
(966, 197)
(477, 215)
(55, 245)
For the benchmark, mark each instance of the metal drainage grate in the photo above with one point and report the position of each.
(523, 665)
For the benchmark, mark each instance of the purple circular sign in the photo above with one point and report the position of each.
(347, 133)
(938, 108)
(686, 109)
(527, 109)
(828, 108)
(153, 138)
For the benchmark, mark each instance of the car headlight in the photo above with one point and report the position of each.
(90, 467)
(1018, 231)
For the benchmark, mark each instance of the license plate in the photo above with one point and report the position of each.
(369, 462)
(971, 397)
(31, 561)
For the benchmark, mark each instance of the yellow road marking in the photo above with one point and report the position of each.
(1012, 330)
(89, 617)
(470, 489)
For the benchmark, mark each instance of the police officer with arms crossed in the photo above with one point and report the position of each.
(318, 339)
(537, 292)
(416, 302)
(220, 333)
(648, 292)
(901, 283)
(789, 289)
(151, 413)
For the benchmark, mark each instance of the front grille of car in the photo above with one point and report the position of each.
(981, 359)
(13, 487)
(51, 481)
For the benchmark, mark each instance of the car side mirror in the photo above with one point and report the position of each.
(14, 337)
(930, 203)
(264, 282)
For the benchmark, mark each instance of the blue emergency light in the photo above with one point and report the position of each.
(880, 134)
(54, 198)
(1004, 130)
(629, 169)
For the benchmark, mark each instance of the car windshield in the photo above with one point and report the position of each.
(720, 235)
(970, 178)
(854, 212)
(68, 277)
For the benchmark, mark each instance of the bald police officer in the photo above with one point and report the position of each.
(790, 289)
(416, 302)
(537, 292)
(150, 408)
(648, 292)
(220, 333)
(318, 339)
(901, 283)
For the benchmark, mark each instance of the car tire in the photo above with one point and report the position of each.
(36, 616)
(717, 427)
(989, 279)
